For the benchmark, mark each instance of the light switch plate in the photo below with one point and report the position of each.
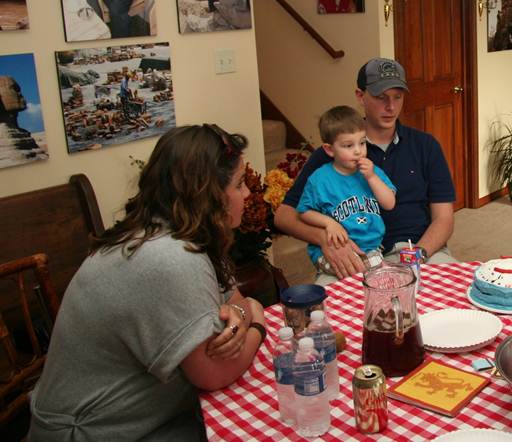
(224, 61)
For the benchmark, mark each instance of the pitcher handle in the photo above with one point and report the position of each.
(399, 319)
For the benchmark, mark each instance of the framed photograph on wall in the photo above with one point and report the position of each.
(104, 19)
(499, 25)
(340, 6)
(115, 95)
(213, 15)
(13, 15)
(22, 135)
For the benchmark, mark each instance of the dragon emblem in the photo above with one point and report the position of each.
(438, 382)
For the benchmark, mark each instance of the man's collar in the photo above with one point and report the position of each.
(395, 140)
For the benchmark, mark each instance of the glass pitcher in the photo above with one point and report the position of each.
(391, 329)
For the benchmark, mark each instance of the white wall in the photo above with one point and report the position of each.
(230, 100)
(494, 99)
(303, 81)
(298, 75)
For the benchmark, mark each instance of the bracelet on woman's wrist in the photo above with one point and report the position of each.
(240, 310)
(261, 330)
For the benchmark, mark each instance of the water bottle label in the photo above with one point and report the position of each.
(311, 386)
(284, 375)
(328, 352)
(283, 369)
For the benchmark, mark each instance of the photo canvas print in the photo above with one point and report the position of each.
(13, 15)
(340, 6)
(499, 25)
(22, 136)
(104, 19)
(213, 15)
(116, 94)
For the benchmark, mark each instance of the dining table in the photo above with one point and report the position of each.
(247, 410)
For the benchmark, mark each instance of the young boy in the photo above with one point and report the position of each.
(343, 196)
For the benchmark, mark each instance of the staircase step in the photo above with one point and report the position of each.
(274, 135)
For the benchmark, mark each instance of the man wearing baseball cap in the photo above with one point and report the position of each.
(414, 162)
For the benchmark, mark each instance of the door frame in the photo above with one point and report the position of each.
(470, 101)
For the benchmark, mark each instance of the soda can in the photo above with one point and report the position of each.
(412, 257)
(370, 403)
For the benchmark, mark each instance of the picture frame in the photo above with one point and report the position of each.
(22, 132)
(213, 15)
(499, 25)
(99, 20)
(115, 95)
(13, 15)
(340, 6)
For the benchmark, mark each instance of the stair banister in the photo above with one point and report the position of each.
(310, 30)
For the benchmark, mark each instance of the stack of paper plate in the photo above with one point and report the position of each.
(458, 330)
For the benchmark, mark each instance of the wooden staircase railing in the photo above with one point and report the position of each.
(310, 30)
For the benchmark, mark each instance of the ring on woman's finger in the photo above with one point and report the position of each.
(234, 329)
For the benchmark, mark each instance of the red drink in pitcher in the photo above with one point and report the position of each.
(395, 356)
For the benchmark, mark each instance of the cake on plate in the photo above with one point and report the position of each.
(492, 284)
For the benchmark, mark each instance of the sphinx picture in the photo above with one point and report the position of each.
(22, 136)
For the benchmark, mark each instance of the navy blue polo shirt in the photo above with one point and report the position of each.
(417, 167)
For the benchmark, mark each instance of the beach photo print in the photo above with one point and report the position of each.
(22, 135)
(115, 95)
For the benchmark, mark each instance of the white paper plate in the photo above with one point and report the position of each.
(475, 435)
(476, 303)
(458, 330)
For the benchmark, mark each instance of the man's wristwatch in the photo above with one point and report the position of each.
(423, 254)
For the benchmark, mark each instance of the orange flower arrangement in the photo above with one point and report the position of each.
(254, 236)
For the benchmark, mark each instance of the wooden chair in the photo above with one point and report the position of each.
(58, 222)
(23, 348)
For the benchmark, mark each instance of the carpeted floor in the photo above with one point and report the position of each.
(480, 234)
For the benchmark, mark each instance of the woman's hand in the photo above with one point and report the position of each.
(231, 340)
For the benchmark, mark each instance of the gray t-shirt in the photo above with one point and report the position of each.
(124, 326)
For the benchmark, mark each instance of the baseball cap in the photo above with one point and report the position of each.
(381, 74)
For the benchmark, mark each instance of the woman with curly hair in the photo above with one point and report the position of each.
(141, 326)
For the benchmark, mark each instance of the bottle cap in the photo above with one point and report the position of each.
(285, 333)
(317, 316)
(306, 343)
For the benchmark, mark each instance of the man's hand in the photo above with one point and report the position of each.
(344, 260)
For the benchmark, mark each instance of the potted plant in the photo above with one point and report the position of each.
(501, 150)
(255, 275)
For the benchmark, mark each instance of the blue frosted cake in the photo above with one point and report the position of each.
(492, 284)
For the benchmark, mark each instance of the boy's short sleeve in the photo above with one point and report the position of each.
(309, 198)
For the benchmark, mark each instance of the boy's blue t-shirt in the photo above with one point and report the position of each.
(350, 201)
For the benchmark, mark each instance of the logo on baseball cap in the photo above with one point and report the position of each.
(381, 74)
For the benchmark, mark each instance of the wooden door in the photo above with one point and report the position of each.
(429, 44)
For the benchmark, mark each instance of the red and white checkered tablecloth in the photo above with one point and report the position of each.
(248, 410)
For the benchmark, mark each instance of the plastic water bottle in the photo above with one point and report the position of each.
(283, 369)
(312, 400)
(325, 343)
